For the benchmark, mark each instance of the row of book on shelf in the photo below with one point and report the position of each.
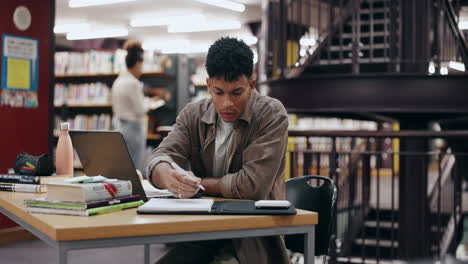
(87, 122)
(101, 62)
(80, 196)
(82, 94)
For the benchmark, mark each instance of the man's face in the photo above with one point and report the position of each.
(230, 98)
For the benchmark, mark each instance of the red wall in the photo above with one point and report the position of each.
(24, 129)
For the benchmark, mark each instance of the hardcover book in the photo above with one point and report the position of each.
(87, 192)
(86, 212)
(44, 203)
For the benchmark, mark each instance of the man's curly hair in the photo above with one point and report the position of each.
(229, 58)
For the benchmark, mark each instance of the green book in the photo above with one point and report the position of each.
(86, 212)
(43, 202)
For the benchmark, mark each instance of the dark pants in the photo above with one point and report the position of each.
(196, 252)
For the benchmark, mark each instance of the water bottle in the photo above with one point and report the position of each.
(64, 151)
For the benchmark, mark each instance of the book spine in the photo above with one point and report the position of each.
(24, 179)
(18, 187)
(113, 208)
(100, 191)
(122, 200)
(56, 211)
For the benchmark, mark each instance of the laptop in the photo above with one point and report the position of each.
(105, 153)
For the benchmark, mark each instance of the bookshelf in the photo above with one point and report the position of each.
(67, 78)
(83, 82)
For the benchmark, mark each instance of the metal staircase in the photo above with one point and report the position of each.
(368, 40)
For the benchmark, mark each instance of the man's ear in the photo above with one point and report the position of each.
(252, 84)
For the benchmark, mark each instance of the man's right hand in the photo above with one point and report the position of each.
(180, 184)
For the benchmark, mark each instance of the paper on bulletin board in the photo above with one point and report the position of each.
(20, 77)
(18, 74)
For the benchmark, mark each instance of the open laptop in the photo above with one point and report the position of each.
(105, 153)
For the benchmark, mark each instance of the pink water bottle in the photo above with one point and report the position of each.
(64, 151)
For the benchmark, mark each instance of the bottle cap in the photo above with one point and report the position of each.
(65, 126)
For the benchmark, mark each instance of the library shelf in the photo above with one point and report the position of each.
(101, 76)
(84, 106)
(153, 136)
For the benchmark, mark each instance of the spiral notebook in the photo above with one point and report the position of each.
(209, 206)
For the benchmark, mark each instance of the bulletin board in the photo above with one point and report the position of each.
(20, 71)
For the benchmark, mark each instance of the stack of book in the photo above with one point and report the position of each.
(85, 199)
(26, 183)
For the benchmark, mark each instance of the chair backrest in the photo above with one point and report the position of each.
(303, 193)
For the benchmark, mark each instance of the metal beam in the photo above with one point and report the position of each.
(386, 94)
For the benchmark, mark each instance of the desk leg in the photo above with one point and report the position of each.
(147, 253)
(61, 255)
(309, 247)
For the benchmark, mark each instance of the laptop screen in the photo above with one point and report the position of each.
(105, 153)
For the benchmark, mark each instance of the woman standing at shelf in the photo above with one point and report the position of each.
(129, 104)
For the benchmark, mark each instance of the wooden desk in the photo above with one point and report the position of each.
(127, 228)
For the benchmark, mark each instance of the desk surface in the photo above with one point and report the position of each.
(128, 223)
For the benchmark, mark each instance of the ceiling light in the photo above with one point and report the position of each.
(305, 41)
(161, 44)
(431, 68)
(444, 70)
(64, 28)
(224, 4)
(99, 33)
(196, 27)
(457, 65)
(185, 46)
(463, 25)
(186, 50)
(167, 20)
(84, 3)
(249, 40)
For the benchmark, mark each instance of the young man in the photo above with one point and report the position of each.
(234, 145)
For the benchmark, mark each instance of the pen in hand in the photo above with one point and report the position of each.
(179, 169)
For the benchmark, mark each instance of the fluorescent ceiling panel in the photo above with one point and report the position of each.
(463, 25)
(168, 20)
(197, 27)
(69, 27)
(84, 3)
(224, 4)
(98, 33)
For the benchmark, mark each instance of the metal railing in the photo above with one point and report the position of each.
(374, 184)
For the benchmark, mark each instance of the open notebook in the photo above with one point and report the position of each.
(208, 206)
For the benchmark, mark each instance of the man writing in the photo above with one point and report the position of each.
(234, 145)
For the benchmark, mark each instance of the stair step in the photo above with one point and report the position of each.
(367, 34)
(362, 47)
(382, 224)
(373, 242)
(374, 10)
(375, 21)
(358, 260)
(369, 248)
(349, 61)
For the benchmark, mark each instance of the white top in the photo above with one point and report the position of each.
(223, 139)
(128, 100)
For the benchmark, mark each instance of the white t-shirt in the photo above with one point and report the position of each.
(223, 139)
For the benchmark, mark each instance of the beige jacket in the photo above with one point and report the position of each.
(255, 158)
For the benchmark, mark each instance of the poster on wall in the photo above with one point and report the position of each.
(20, 71)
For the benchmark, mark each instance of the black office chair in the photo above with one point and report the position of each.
(303, 193)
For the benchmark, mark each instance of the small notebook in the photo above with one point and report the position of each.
(209, 206)
(177, 205)
(152, 192)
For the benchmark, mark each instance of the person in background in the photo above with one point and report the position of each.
(233, 144)
(129, 104)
